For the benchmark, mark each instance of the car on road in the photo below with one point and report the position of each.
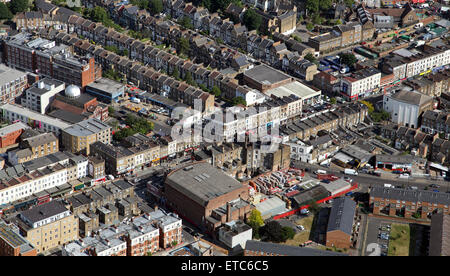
(434, 186)
(436, 191)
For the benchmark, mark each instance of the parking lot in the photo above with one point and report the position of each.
(377, 239)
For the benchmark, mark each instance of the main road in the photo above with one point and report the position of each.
(366, 180)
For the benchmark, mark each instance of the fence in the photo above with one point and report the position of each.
(290, 213)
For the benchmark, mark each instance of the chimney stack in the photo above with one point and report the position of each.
(228, 212)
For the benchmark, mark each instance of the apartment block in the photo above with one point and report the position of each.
(78, 137)
(48, 225)
(12, 83)
(37, 55)
(39, 96)
(34, 147)
(12, 243)
(13, 113)
(406, 203)
(360, 84)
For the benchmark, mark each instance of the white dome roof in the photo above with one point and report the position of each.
(72, 91)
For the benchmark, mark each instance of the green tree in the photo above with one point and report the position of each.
(317, 19)
(111, 110)
(239, 101)
(142, 4)
(188, 78)
(203, 87)
(176, 73)
(288, 233)
(333, 100)
(186, 22)
(252, 20)
(369, 106)
(273, 231)
(313, 207)
(296, 38)
(183, 46)
(324, 5)
(349, 3)
(98, 14)
(112, 48)
(156, 6)
(255, 221)
(312, 6)
(216, 91)
(311, 58)
(125, 52)
(348, 59)
(18, 6)
(338, 22)
(5, 13)
(309, 26)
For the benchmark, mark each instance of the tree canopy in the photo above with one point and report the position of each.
(312, 6)
(311, 58)
(183, 46)
(274, 232)
(348, 59)
(216, 91)
(156, 6)
(188, 78)
(252, 19)
(239, 100)
(5, 13)
(142, 4)
(18, 6)
(186, 22)
(136, 125)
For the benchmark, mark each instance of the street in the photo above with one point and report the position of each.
(365, 180)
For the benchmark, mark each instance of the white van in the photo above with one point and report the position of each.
(320, 172)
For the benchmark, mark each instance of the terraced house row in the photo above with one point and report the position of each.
(145, 77)
(206, 49)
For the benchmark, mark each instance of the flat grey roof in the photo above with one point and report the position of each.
(398, 159)
(107, 85)
(411, 97)
(201, 182)
(266, 75)
(11, 128)
(287, 250)
(87, 127)
(34, 115)
(8, 74)
(294, 88)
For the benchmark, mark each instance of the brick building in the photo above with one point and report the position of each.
(206, 196)
(12, 243)
(48, 225)
(258, 248)
(44, 57)
(10, 134)
(440, 235)
(406, 203)
(340, 223)
(78, 137)
(34, 147)
(12, 83)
